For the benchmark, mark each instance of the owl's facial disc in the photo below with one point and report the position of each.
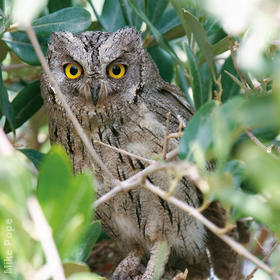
(115, 72)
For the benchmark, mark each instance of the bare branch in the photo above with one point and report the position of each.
(44, 235)
(33, 39)
(185, 167)
(251, 275)
(236, 66)
(125, 152)
(14, 66)
(166, 138)
(171, 155)
(195, 213)
(259, 143)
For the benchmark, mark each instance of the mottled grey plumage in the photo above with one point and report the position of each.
(130, 114)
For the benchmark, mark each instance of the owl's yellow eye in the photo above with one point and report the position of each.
(116, 71)
(73, 70)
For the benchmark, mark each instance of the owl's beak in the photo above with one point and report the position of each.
(95, 93)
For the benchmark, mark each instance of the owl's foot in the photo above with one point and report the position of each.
(181, 276)
(128, 267)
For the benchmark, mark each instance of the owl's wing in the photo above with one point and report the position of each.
(179, 95)
(168, 99)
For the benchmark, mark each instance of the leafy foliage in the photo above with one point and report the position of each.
(192, 49)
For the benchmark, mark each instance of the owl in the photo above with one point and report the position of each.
(116, 93)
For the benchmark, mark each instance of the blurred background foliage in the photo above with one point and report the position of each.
(224, 55)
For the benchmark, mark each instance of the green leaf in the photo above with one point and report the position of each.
(130, 17)
(215, 129)
(33, 155)
(164, 62)
(69, 19)
(2, 5)
(74, 267)
(16, 186)
(181, 81)
(250, 205)
(155, 9)
(201, 39)
(263, 173)
(168, 22)
(3, 50)
(65, 199)
(158, 37)
(178, 7)
(169, 26)
(27, 102)
(198, 130)
(221, 46)
(196, 82)
(206, 82)
(15, 182)
(55, 5)
(237, 169)
(112, 18)
(254, 112)
(90, 237)
(5, 105)
(85, 276)
(230, 88)
(19, 43)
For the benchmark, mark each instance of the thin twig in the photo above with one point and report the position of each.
(188, 169)
(251, 275)
(33, 39)
(218, 94)
(166, 138)
(125, 152)
(235, 64)
(44, 235)
(194, 213)
(261, 239)
(172, 154)
(259, 143)
(14, 66)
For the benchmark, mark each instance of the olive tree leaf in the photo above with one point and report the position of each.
(5, 105)
(19, 43)
(70, 19)
(112, 17)
(27, 102)
(65, 199)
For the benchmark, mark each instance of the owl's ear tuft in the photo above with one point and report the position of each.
(128, 37)
(126, 40)
(60, 39)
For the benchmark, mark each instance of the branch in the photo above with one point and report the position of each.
(236, 66)
(259, 143)
(195, 213)
(33, 39)
(251, 275)
(166, 139)
(44, 235)
(188, 169)
(121, 151)
(14, 66)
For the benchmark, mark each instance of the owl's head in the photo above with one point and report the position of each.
(96, 66)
